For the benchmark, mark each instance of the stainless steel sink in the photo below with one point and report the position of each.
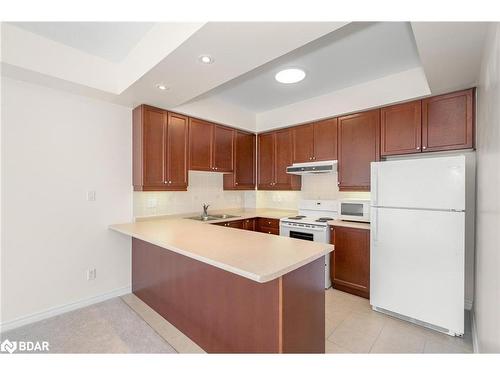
(211, 217)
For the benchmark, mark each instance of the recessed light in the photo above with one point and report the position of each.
(206, 59)
(292, 75)
(161, 86)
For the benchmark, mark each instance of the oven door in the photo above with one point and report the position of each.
(318, 234)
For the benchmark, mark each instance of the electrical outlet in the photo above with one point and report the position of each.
(91, 195)
(91, 274)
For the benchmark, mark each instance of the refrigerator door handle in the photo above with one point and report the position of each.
(374, 224)
(374, 184)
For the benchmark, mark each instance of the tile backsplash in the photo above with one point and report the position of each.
(206, 187)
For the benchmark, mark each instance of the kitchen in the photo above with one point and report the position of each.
(284, 209)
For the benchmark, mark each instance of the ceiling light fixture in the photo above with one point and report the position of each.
(161, 86)
(292, 75)
(206, 59)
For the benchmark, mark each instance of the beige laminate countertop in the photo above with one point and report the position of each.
(349, 224)
(257, 256)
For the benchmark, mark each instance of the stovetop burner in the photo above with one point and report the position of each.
(298, 217)
(323, 219)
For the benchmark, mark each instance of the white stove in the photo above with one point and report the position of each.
(311, 225)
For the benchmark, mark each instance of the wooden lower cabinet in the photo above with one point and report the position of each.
(259, 224)
(350, 261)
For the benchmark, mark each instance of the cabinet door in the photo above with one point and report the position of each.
(350, 268)
(401, 129)
(359, 137)
(177, 146)
(223, 149)
(154, 136)
(448, 121)
(303, 140)
(243, 176)
(283, 159)
(200, 145)
(249, 224)
(325, 140)
(265, 163)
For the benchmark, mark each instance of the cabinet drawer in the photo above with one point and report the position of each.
(268, 223)
(269, 230)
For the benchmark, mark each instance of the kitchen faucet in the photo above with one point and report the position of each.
(205, 210)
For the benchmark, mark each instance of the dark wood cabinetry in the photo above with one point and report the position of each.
(448, 121)
(274, 156)
(160, 142)
(259, 224)
(359, 140)
(315, 142)
(401, 129)
(210, 147)
(350, 261)
(243, 176)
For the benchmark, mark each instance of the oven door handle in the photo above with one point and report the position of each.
(322, 229)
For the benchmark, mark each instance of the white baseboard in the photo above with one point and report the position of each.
(468, 304)
(53, 311)
(475, 339)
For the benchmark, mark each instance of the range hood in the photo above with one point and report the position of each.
(315, 167)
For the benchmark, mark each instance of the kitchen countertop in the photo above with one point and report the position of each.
(349, 224)
(256, 256)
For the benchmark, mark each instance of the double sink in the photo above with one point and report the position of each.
(212, 217)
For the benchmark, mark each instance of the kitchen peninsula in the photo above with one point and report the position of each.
(231, 290)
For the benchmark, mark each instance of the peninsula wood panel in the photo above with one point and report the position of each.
(401, 129)
(448, 121)
(226, 313)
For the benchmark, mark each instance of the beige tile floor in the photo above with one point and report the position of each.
(351, 326)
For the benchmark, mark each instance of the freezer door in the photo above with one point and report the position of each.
(429, 183)
(417, 265)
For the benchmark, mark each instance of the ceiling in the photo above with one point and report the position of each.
(350, 66)
(356, 53)
(109, 40)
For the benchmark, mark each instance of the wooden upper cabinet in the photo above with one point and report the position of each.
(350, 262)
(401, 129)
(159, 149)
(243, 176)
(200, 145)
(448, 121)
(303, 143)
(274, 156)
(315, 142)
(210, 147)
(223, 139)
(325, 140)
(265, 161)
(177, 146)
(359, 140)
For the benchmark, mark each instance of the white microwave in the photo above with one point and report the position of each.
(354, 210)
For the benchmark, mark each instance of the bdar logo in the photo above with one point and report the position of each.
(8, 346)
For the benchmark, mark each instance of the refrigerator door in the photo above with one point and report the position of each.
(417, 265)
(428, 183)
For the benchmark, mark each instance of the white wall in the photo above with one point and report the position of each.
(56, 147)
(487, 288)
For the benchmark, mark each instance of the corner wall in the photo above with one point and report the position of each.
(487, 269)
(56, 147)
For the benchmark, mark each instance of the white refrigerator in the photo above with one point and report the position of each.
(417, 242)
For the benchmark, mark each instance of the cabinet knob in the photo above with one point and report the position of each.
(269, 232)
(165, 182)
(215, 168)
(418, 147)
(314, 157)
(424, 147)
(236, 183)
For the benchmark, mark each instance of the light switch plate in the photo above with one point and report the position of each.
(91, 195)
